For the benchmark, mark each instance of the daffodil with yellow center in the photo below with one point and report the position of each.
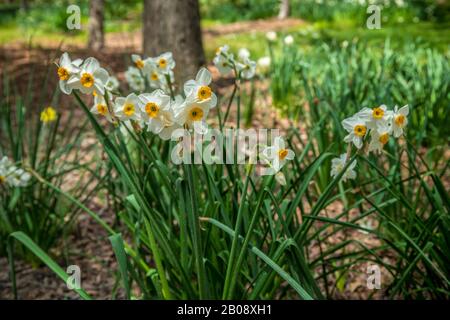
(155, 109)
(196, 114)
(67, 68)
(125, 108)
(276, 156)
(199, 89)
(48, 115)
(154, 76)
(356, 128)
(128, 109)
(360, 130)
(400, 120)
(162, 63)
(380, 137)
(63, 74)
(384, 138)
(87, 80)
(377, 113)
(91, 77)
(102, 109)
(204, 92)
(373, 117)
(140, 64)
(152, 109)
(282, 153)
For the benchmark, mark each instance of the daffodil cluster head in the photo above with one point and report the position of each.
(225, 62)
(11, 175)
(373, 127)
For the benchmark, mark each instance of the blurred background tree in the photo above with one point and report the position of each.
(284, 9)
(96, 39)
(174, 26)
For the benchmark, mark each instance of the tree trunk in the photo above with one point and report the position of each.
(284, 9)
(24, 5)
(96, 39)
(174, 25)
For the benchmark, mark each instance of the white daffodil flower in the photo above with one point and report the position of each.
(100, 107)
(90, 78)
(338, 164)
(112, 84)
(155, 110)
(288, 40)
(264, 62)
(374, 117)
(134, 79)
(199, 89)
(18, 177)
(277, 156)
(399, 120)
(155, 78)
(247, 69)
(380, 136)
(138, 61)
(224, 63)
(164, 62)
(271, 36)
(67, 68)
(223, 50)
(192, 113)
(357, 129)
(243, 54)
(127, 108)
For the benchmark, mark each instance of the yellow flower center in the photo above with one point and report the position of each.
(2, 179)
(102, 109)
(196, 114)
(360, 130)
(282, 153)
(204, 93)
(128, 109)
(48, 115)
(377, 113)
(400, 120)
(152, 109)
(87, 80)
(140, 64)
(162, 63)
(154, 76)
(63, 74)
(384, 138)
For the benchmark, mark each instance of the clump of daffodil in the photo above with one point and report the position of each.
(225, 62)
(48, 115)
(377, 124)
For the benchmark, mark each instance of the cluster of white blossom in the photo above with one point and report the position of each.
(156, 111)
(151, 73)
(243, 66)
(379, 124)
(12, 175)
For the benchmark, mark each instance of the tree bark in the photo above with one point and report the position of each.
(96, 39)
(284, 9)
(174, 25)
